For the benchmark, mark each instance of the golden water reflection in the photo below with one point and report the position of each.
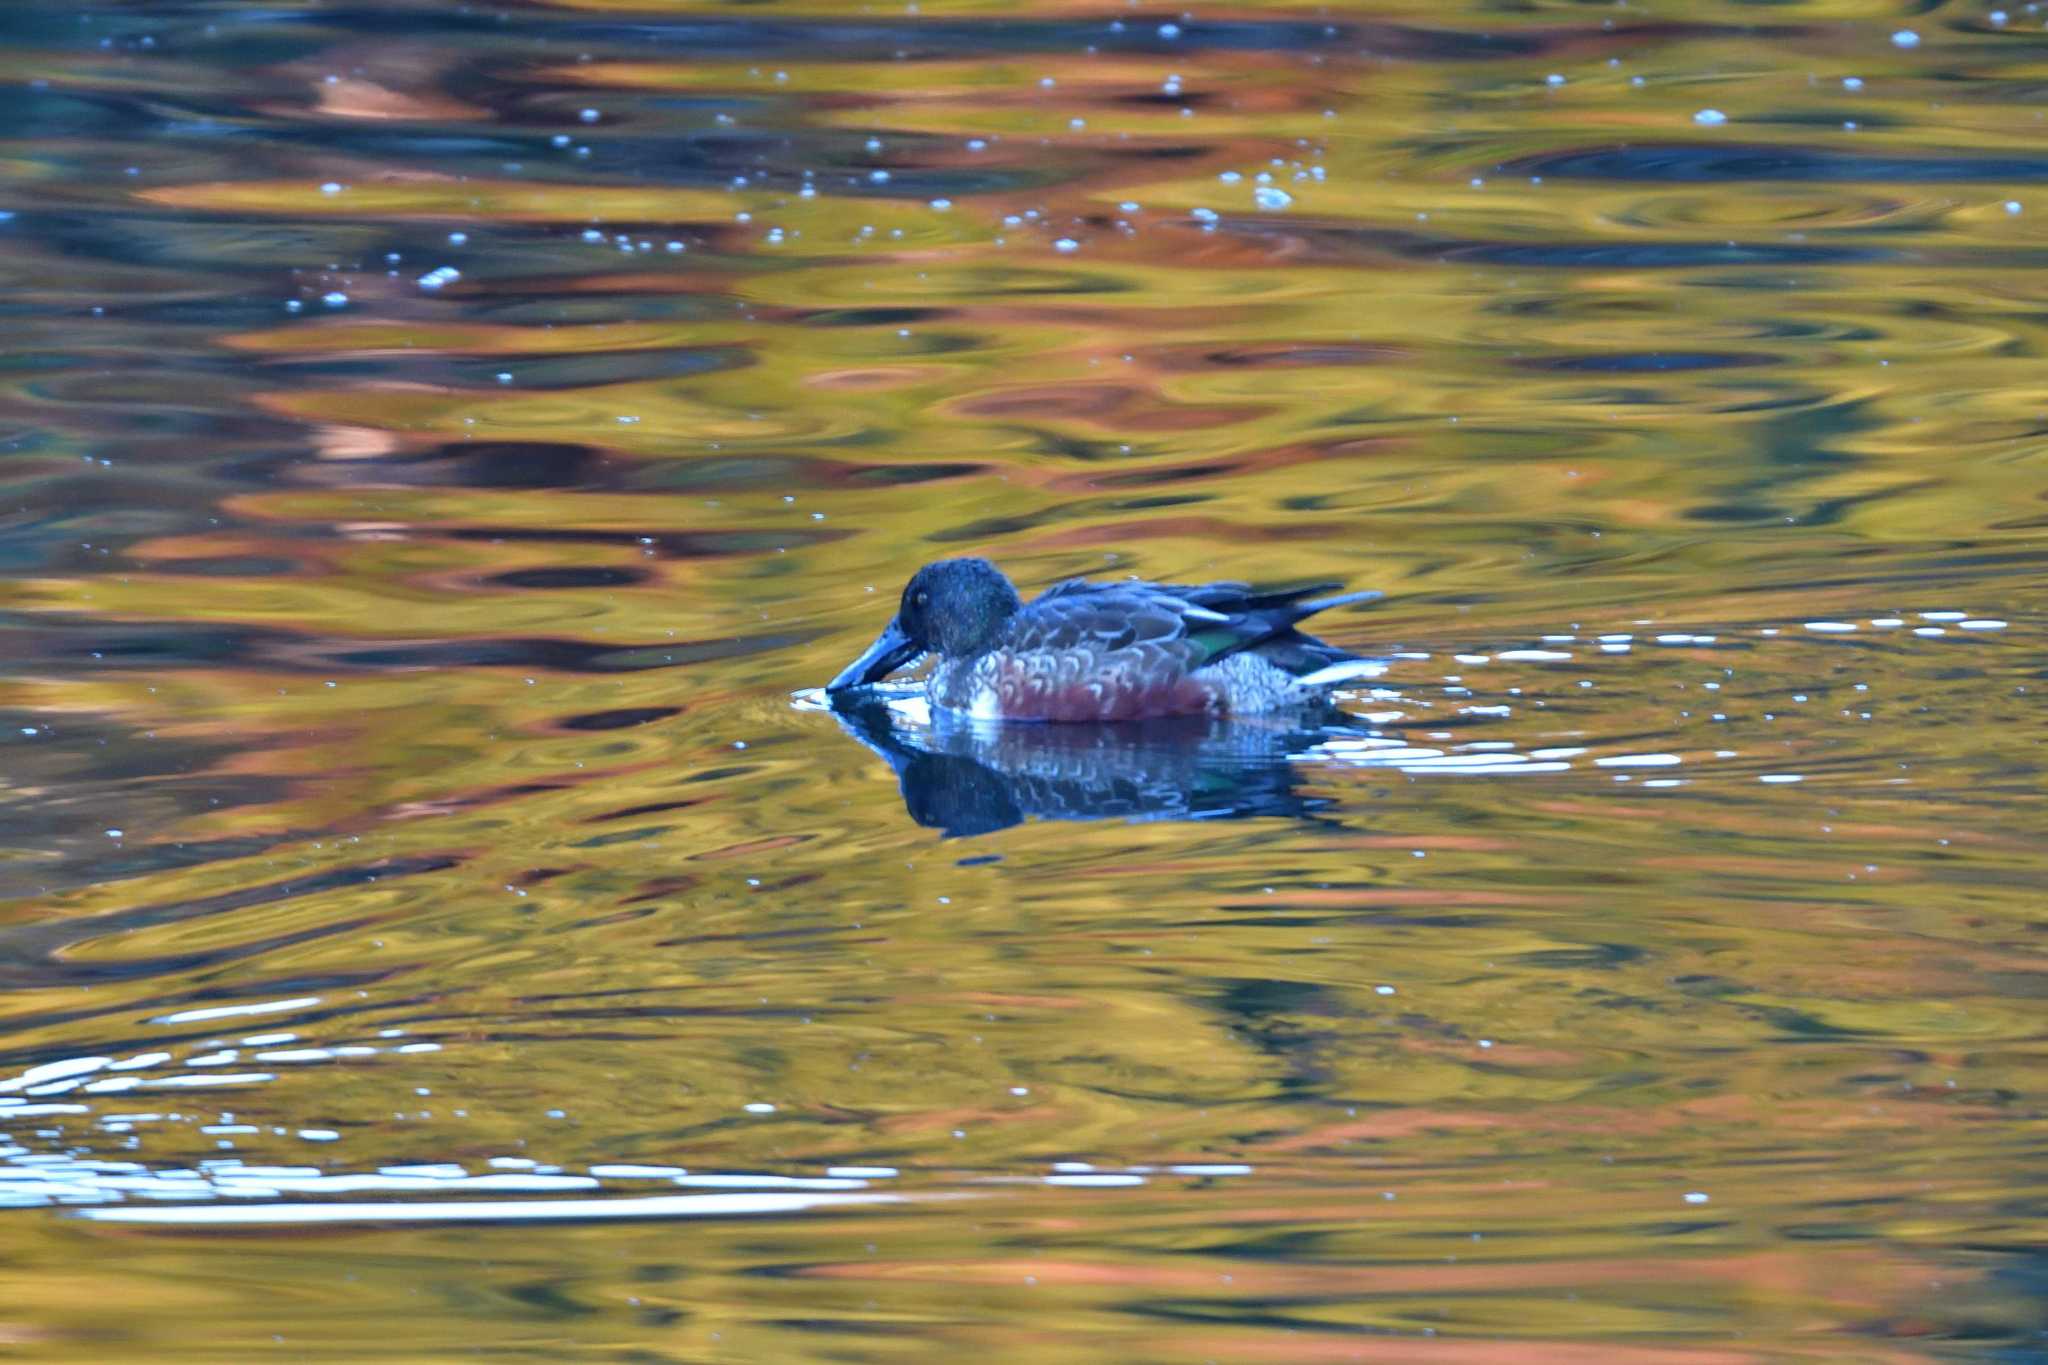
(444, 451)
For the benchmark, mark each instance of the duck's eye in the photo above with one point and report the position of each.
(923, 597)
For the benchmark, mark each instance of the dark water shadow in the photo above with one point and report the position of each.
(965, 777)
(1726, 163)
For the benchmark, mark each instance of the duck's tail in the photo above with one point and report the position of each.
(1307, 609)
(1317, 667)
(1266, 624)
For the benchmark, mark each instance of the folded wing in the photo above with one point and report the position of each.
(1208, 621)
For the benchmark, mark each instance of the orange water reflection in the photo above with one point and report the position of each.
(444, 449)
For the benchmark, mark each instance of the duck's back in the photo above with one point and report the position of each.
(1125, 651)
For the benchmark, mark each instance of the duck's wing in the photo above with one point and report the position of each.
(1104, 617)
(1210, 621)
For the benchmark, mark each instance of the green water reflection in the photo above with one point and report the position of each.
(443, 445)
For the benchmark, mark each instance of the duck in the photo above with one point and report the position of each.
(1085, 651)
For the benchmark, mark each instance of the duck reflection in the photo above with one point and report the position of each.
(971, 777)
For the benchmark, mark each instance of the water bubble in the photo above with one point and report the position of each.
(1066, 244)
(1905, 37)
(1710, 117)
(1271, 199)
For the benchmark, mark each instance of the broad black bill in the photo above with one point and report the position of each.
(965, 777)
(891, 650)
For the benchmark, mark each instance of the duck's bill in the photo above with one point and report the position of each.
(891, 650)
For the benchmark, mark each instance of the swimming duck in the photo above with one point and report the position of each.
(1084, 651)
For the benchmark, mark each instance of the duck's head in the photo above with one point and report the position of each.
(955, 607)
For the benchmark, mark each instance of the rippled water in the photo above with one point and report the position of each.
(445, 446)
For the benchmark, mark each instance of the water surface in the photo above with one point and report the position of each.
(444, 446)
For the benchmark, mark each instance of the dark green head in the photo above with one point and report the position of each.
(956, 607)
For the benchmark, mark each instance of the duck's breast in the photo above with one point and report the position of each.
(1074, 685)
